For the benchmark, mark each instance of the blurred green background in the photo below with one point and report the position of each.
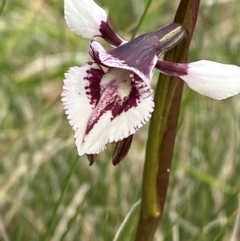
(37, 150)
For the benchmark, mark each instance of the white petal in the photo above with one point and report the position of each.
(108, 129)
(84, 17)
(80, 94)
(212, 79)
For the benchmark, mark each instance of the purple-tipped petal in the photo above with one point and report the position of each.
(84, 17)
(212, 79)
(88, 19)
(209, 78)
(125, 104)
(80, 95)
(141, 63)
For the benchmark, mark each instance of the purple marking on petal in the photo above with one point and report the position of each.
(93, 89)
(109, 35)
(113, 100)
(105, 103)
(127, 103)
(133, 99)
(94, 77)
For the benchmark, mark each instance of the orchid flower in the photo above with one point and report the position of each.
(108, 106)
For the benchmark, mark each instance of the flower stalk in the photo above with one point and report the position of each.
(162, 130)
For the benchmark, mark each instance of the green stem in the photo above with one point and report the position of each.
(141, 19)
(162, 131)
(59, 202)
(149, 203)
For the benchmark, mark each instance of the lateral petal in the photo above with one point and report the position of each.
(212, 79)
(81, 92)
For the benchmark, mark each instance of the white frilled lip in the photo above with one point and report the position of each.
(127, 57)
(104, 107)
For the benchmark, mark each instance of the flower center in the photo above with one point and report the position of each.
(121, 78)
